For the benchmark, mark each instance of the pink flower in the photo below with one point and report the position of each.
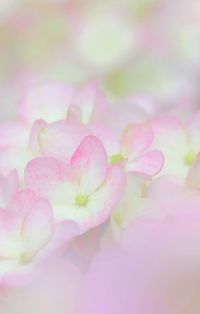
(28, 233)
(89, 103)
(52, 101)
(55, 101)
(179, 143)
(60, 139)
(57, 139)
(48, 101)
(25, 231)
(136, 141)
(29, 236)
(85, 190)
(133, 205)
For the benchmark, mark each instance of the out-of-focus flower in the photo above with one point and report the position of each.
(29, 235)
(193, 176)
(133, 204)
(179, 143)
(85, 191)
(58, 287)
(58, 139)
(8, 188)
(105, 40)
(24, 233)
(61, 138)
(51, 101)
(171, 233)
(55, 101)
(14, 147)
(7, 7)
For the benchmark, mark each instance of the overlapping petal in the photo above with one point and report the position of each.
(136, 138)
(90, 164)
(59, 139)
(147, 164)
(49, 101)
(85, 190)
(37, 228)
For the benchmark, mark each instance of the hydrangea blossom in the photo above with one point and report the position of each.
(135, 148)
(55, 101)
(24, 236)
(85, 189)
(85, 186)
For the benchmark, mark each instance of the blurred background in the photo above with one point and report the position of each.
(132, 47)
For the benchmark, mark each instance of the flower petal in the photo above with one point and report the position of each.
(91, 102)
(8, 188)
(43, 174)
(10, 244)
(22, 202)
(193, 176)
(107, 137)
(64, 232)
(103, 201)
(90, 164)
(170, 138)
(38, 227)
(194, 133)
(33, 140)
(136, 138)
(49, 101)
(148, 164)
(60, 139)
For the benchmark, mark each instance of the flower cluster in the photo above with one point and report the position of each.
(70, 173)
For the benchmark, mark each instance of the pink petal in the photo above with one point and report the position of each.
(107, 137)
(90, 164)
(13, 133)
(8, 232)
(91, 101)
(7, 221)
(64, 232)
(171, 139)
(194, 123)
(136, 138)
(33, 140)
(43, 174)
(103, 201)
(194, 132)
(60, 139)
(49, 101)
(74, 113)
(193, 176)
(38, 227)
(23, 202)
(8, 188)
(163, 124)
(148, 164)
(146, 102)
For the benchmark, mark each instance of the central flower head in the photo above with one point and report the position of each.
(81, 200)
(26, 258)
(189, 157)
(85, 182)
(114, 159)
